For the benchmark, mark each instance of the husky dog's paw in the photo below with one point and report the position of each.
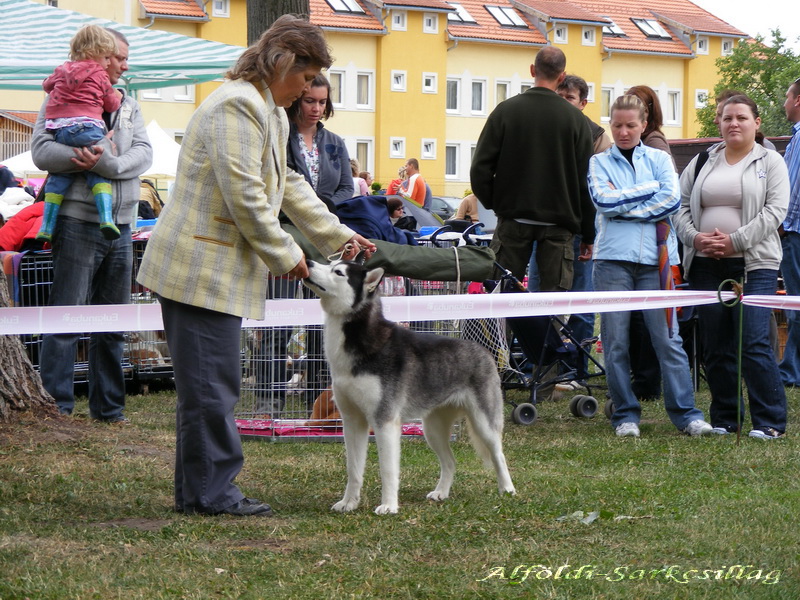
(345, 505)
(386, 509)
(509, 490)
(437, 496)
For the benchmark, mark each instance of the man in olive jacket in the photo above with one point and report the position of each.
(530, 167)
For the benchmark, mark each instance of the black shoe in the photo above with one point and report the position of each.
(119, 420)
(766, 433)
(246, 507)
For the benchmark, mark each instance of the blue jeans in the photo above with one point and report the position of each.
(77, 136)
(612, 275)
(582, 325)
(719, 334)
(790, 269)
(88, 269)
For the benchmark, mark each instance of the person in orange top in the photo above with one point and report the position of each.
(417, 190)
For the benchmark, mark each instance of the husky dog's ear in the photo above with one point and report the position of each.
(373, 279)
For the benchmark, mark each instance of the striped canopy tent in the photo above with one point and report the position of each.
(34, 40)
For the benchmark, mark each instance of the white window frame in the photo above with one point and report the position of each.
(340, 75)
(369, 164)
(497, 84)
(221, 8)
(727, 46)
(590, 95)
(189, 96)
(483, 83)
(345, 6)
(461, 15)
(606, 90)
(457, 109)
(612, 28)
(152, 94)
(703, 44)
(430, 83)
(370, 105)
(399, 81)
(651, 28)
(430, 23)
(397, 147)
(524, 86)
(701, 98)
(427, 150)
(399, 20)
(506, 16)
(673, 100)
(456, 148)
(561, 34)
(589, 36)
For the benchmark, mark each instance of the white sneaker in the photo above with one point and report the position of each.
(698, 427)
(627, 429)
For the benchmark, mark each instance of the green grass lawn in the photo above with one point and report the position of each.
(85, 512)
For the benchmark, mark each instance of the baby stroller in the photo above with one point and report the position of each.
(543, 352)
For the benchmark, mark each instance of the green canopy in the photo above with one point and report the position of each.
(34, 40)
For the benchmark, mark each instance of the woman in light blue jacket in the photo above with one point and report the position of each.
(634, 187)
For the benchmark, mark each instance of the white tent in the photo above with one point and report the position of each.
(165, 157)
(34, 40)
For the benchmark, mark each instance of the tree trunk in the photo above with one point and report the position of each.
(262, 13)
(20, 384)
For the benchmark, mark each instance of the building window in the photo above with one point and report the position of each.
(461, 15)
(183, 93)
(430, 23)
(702, 45)
(652, 29)
(397, 147)
(430, 83)
(672, 112)
(525, 86)
(399, 20)
(151, 94)
(398, 81)
(478, 97)
(590, 95)
(337, 88)
(700, 98)
(561, 34)
(53, 3)
(506, 16)
(364, 154)
(364, 90)
(500, 91)
(451, 152)
(613, 29)
(727, 47)
(588, 36)
(452, 103)
(345, 6)
(428, 150)
(221, 8)
(606, 95)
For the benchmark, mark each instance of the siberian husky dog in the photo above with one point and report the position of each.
(384, 374)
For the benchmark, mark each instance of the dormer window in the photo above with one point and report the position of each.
(461, 15)
(652, 29)
(345, 6)
(506, 16)
(613, 29)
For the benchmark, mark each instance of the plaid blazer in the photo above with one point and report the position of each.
(218, 233)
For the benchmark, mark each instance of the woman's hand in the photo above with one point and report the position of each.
(300, 270)
(714, 245)
(356, 244)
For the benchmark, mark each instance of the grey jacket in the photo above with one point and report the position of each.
(133, 156)
(765, 193)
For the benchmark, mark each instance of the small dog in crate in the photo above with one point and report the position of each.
(384, 374)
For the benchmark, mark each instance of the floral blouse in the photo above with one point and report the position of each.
(311, 157)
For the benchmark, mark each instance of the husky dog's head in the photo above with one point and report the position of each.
(343, 286)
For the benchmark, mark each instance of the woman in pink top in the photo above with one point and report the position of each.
(80, 91)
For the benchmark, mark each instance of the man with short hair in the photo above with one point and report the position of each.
(790, 239)
(87, 268)
(530, 167)
(575, 90)
(417, 190)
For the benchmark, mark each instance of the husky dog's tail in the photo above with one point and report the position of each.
(481, 449)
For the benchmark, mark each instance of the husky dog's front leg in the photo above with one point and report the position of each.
(387, 437)
(356, 436)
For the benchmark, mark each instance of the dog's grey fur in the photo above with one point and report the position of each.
(384, 375)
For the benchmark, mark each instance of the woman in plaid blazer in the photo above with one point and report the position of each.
(208, 255)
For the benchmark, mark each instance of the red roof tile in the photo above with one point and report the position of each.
(562, 11)
(435, 4)
(487, 28)
(323, 15)
(28, 117)
(174, 8)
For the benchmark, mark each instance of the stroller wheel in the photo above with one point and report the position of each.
(609, 409)
(524, 414)
(584, 407)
